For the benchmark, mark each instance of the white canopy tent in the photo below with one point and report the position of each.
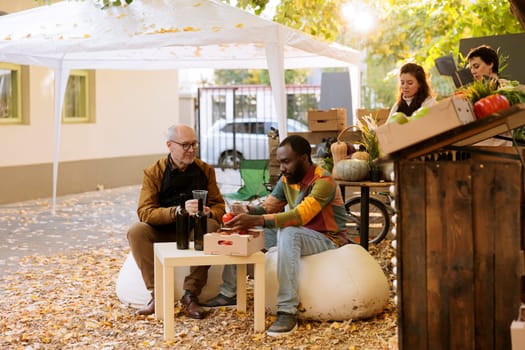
(160, 34)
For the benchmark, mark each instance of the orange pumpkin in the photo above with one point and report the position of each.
(338, 150)
(361, 155)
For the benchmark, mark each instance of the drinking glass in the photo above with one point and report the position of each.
(200, 194)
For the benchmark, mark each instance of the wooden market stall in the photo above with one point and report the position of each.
(460, 237)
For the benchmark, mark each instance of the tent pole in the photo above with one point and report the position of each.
(275, 60)
(61, 78)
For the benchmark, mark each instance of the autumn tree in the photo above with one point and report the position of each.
(421, 31)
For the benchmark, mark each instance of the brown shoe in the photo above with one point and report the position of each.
(190, 304)
(148, 309)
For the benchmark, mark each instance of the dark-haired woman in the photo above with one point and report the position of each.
(414, 90)
(483, 62)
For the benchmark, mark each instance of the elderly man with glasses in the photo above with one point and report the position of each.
(168, 184)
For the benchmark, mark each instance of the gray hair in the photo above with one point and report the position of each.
(171, 133)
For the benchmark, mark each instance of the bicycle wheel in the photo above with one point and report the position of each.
(378, 220)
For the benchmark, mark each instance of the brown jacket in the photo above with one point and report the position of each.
(149, 209)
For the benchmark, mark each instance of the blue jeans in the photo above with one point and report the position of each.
(229, 274)
(292, 243)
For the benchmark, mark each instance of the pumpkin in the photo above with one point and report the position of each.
(352, 169)
(338, 150)
(361, 155)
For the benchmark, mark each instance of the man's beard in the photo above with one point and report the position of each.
(297, 176)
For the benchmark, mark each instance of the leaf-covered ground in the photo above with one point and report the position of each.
(64, 297)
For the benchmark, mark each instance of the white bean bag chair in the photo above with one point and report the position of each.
(132, 291)
(336, 285)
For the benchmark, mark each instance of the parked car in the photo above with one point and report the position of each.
(230, 141)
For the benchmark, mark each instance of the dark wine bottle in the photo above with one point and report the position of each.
(182, 228)
(201, 226)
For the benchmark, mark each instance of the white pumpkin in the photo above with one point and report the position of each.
(352, 169)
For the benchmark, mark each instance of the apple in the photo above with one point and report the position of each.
(419, 113)
(398, 117)
(227, 217)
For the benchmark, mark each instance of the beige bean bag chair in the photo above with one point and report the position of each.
(132, 291)
(339, 284)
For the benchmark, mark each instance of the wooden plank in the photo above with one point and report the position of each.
(436, 259)
(507, 202)
(459, 279)
(486, 227)
(459, 239)
(412, 302)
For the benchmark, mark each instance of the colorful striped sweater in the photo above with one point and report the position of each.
(315, 203)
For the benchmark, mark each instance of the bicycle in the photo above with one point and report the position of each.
(380, 213)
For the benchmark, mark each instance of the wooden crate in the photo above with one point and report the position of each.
(458, 237)
(328, 120)
(273, 163)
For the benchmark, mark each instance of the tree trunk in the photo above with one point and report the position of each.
(517, 7)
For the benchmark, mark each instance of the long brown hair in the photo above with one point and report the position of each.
(422, 93)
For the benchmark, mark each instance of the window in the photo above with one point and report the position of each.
(11, 76)
(79, 101)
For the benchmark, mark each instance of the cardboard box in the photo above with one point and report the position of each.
(447, 114)
(517, 330)
(234, 244)
(330, 120)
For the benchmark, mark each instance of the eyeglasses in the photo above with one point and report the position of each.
(186, 145)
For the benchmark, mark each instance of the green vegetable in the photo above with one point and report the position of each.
(328, 163)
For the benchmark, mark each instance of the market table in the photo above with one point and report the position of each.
(365, 199)
(167, 257)
(460, 234)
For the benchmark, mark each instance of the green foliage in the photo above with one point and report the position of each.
(257, 6)
(319, 18)
(369, 138)
(480, 89)
(109, 3)
(513, 91)
(328, 164)
(257, 76)
(421, 31)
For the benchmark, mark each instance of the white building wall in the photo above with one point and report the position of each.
(133, 109)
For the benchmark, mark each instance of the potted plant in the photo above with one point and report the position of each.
(370, 142)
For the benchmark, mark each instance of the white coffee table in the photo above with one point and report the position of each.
(167, 257)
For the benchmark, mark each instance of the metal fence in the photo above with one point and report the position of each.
(234, 121)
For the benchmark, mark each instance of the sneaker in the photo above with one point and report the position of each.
(221, 300)
(284, 324)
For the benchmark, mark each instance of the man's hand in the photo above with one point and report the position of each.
(192, 206)
(244, 222)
